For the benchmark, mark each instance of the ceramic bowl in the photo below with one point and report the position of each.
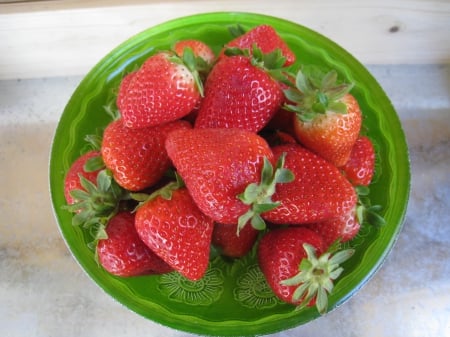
(233, 298)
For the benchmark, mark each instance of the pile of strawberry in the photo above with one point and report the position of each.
(232, 152)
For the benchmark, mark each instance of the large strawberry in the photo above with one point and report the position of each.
(228, 172)
(265, 38)
(328, 117)
(172, 226)
(319, 191)
(360, 167)
(163, 89)
(137, 157)
(241, 92)
(123, 253)
(297, 268)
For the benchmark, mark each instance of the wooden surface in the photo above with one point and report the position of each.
(63, 38)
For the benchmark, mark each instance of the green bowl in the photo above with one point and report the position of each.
(233, 298)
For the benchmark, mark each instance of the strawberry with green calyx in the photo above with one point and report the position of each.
(242, 91)
(297, 267)
(78, 168)
(328, 117)
(199, 50)
(96, 203)
(137, 157)
(123, 253)
(165, 88)
(172, 226)
(217, 165)
(264, 37)
(360, 167)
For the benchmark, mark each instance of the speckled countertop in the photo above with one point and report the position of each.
(44, 292)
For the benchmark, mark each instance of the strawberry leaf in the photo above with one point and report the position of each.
(316, 92)
(365, 212)
(96, 204)
(315, 277)
(259, 196)
(236, 30)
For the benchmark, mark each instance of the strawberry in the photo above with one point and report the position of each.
(343, 228)
(265, 38)
(137, 157)
(72, 179)
(240, 92)
(232, 244)
(328, 116)
(172, 226)
(297, 268)
(123, 253)
(319, 191)
(165, 88)
(228, 172)
(360, 167)
(199, 49)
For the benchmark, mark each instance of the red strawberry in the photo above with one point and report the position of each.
(177, 231)
(231, 243)
(199, 48)
(164, 89)
(218, 165)
(137, 157)
(123, 253)
(239, 94)
(360, 167)
(343, 228)
(329, 118)
(319, 191)
(72, 179)
(289, 260)
(266, 38)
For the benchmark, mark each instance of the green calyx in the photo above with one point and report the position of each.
(315, 278)
(198, 67)
(365, 212)
(236, 30)
(259, 195)
(316, 92)
(96, 204)
(272, 62)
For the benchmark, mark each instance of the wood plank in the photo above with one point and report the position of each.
(61, 38)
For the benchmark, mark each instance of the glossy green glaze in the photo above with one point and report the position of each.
(233, 299)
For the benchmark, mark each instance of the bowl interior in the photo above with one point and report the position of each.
(233, 298)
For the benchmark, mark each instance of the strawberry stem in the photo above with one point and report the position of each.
(164, 192)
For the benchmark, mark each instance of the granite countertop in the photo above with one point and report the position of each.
(44, 292)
